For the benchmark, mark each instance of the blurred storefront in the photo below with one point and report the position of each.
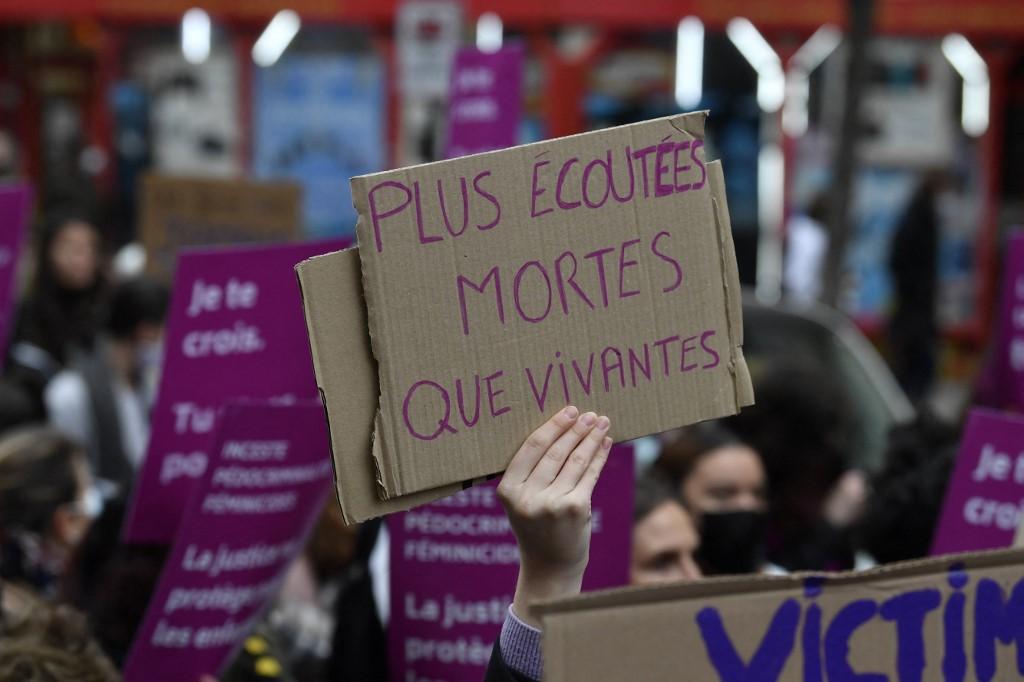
(96, 92)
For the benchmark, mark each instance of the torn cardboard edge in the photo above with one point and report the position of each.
(742, 386)
(710, 588)
(391, 466)
(349, 387)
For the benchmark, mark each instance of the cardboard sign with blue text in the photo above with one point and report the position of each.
(596, 269)
(950, 618)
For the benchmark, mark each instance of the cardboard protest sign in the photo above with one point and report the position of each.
(252, 510)
(15, 208)
(234, 330)
(453, 572)
(951, 618)
(985, 499)
(596, 269)
(175, 212)
(346, 374)
(485, 101)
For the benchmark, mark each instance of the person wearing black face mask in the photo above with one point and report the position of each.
(722, 483)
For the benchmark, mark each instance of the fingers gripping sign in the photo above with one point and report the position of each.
(546, 491)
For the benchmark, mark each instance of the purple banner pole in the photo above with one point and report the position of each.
(985, 500)
(269, 476)
(235, 330)
(15, 207)
(453, 573)
(485, 101)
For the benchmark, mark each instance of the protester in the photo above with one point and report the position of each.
(103, 398)
(62, 312)
(546, 492)
(722, 483)
(907, 495)
(913, 266)
(47, 502)
(664, 536)
(806, 248)
(800, 427)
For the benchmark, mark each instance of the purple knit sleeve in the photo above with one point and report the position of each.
(520, 647)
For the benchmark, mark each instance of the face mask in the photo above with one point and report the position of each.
(91, 504)
(732, 542)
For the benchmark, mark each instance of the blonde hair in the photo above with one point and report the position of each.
(37, 477)
(44, 643)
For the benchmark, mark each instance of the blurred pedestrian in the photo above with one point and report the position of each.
(104, 397)
(62, 311)
(913, 266)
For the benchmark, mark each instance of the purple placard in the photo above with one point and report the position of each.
(453, 573)
(15, 204)
(485, 104)
(1007, 380)
(269, 475)
(985, 501)
(235, 330)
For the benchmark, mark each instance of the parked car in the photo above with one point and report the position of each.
(827, 340)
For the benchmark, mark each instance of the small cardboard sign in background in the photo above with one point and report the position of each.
(453, 573)
(234, 330)
(176, 212)
(269, 475)
(15, 208)
(953, 618)
(486, 100)
(596, 270)
(985, 500)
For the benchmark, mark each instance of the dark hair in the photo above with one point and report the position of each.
(909, 491)
(653, 489)
(133, 302)
(112, 583)
(37, 477)
(687, 446)
(53, 318)
(16, 405)
(799, 425)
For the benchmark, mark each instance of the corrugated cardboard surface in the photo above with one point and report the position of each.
(419, 333)
(336, 322)
(652, 634)
(183, 211)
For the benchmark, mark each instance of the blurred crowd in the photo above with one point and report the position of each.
(774, 489)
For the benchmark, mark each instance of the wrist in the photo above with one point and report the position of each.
(535, 586)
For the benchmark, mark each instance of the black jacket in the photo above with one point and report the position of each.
(497, 671)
